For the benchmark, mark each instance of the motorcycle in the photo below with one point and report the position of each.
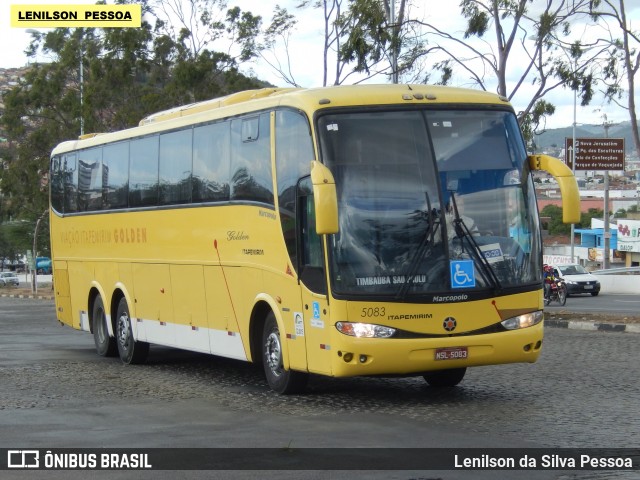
(556, 293)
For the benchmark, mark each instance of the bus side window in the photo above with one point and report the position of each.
(294, 152)
(143, 171)
(90, 177)
(211, 157)
(115, 158)
(70, 174)
(251, 175)
(311, 260)
(175, 163)
(57, 186)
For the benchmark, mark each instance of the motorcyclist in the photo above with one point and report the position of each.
(549, 280)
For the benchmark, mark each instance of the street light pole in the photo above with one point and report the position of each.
(81, 86)
(607, 232)
(573, 170)
(394, 52)
(34, 274)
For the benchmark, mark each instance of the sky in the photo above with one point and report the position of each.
(306, 52)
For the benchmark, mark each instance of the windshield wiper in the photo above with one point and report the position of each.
(463, 232)
(427, 242)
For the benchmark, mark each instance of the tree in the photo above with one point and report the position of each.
(126, 75)
(205, 42)
(335, 31)
(362, 39)
(557, 227)
(278, 33)
(625, 56)
(506, 36)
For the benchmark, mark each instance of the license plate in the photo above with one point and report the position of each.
(588, 287)
(452, 353)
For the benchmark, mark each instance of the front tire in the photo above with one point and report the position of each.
(105, 345)
(131, 352)
(445, 378)
(279, 379)
(562, 295)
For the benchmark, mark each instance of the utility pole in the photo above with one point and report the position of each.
(394, 52)
(573, 169)
(607, 232)
(34, 274)
(81, 84)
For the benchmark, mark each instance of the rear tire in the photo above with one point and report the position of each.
(279, 379)
(131, 352)
(105, 345)
(445, 378)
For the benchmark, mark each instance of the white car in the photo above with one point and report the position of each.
(577, 279)
(9, 278)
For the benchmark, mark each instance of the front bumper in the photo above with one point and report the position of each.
(575, 288)
(414, 356)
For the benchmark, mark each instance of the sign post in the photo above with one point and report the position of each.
(597, 154)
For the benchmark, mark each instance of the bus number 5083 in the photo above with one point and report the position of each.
(373, 312)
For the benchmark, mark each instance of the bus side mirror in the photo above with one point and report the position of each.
(566, 181)
(325, 199)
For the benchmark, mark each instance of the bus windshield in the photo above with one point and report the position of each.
(430, 201)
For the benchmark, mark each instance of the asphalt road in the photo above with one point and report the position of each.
(605, 304)
(56, 393)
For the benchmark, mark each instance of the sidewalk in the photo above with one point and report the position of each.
(45, 290)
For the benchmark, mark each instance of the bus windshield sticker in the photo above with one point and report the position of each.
(462, 274)
(317, 323)
(492, 252)
(298, 321)
(390, 280)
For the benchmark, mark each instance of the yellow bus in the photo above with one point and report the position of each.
(341, 231)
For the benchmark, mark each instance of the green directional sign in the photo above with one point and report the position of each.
(30, 260)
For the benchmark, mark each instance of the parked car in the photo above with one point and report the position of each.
(577, 279)
(9, 278)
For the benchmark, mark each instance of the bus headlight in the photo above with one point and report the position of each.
(365, 330)
(523, 321)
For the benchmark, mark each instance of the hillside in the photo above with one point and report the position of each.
(555, 138)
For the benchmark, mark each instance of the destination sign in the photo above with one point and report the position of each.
(595, 153)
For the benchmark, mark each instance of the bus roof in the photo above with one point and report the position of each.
(306, 99)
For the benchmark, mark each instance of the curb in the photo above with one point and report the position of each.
(593, 326)
(35, 297)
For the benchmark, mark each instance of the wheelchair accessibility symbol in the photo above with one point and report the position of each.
(462, 274)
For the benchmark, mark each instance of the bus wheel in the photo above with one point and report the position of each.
(130, 351)
(280, 380)
(445, 378)
(105, 345)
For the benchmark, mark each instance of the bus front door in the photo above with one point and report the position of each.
(313, 281)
